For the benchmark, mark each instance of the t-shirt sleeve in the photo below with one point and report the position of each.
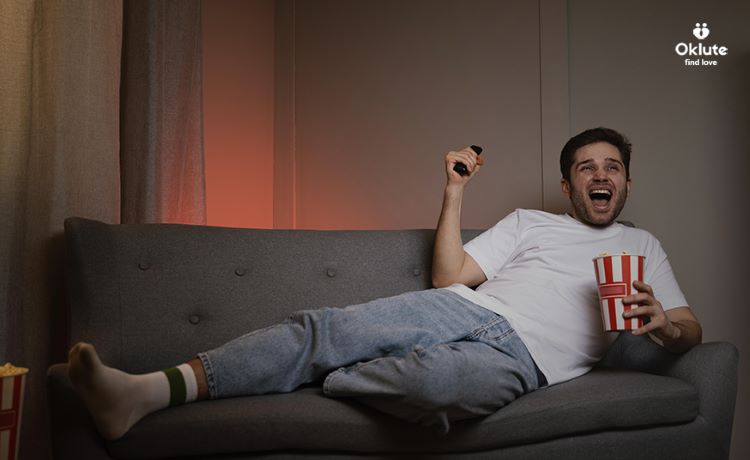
(659, 275)
(492, 248)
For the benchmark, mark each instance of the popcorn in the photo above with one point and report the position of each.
(12, 385)
(8, 370)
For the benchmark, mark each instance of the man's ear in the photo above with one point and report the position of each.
(628, 184)
(565, 186)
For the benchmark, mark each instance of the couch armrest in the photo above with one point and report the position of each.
(710, 367)
(73, 433)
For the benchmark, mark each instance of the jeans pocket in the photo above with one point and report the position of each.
(497, 330)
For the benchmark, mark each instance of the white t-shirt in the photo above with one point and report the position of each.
(540, 277)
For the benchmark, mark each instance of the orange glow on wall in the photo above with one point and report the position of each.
(238, 112)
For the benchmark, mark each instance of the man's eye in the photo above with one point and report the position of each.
(614, 167)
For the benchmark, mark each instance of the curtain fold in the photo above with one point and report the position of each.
(59, 149)
(161, 132)
(16, 27)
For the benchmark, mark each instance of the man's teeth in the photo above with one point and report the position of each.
(600, 196)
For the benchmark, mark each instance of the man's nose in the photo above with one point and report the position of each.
(599, 174)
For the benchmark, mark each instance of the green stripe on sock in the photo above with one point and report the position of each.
(177, 389)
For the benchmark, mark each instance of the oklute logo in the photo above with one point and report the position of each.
(701, 54)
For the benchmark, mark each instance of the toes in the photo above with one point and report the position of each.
(74, 351)
(87, 356)
(83, 355)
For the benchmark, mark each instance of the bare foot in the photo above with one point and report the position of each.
(115, 399)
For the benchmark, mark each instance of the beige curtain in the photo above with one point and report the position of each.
(59, 92)
(60, 133)
(161, 113)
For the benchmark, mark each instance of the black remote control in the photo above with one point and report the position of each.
(460, 167)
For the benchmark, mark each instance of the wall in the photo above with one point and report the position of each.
(368, 98)
(382, 90)
(689, 127)
(238, 107)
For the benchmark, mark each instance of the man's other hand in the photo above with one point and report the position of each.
(677, 328)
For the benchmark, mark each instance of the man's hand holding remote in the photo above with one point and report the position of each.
(461, 165)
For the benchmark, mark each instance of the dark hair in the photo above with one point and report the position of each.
(591, 136)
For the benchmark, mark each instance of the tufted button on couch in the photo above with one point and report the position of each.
(151, 296)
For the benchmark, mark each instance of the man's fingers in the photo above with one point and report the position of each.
(650, 310)
(654, 326)
(640, 286)
(467, 157)
(640, 298)
(648, 326)
(655, 317)
(638, 311)
(470, 156)
(645, 329)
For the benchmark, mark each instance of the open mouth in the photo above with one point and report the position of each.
(600, 197)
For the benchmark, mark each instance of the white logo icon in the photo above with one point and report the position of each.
(701, 30)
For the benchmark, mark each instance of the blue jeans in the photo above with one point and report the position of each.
(430, 357)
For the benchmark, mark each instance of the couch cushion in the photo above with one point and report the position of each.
(604, 399)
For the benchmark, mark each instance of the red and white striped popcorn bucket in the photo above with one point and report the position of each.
(12, 383)
(614, 277)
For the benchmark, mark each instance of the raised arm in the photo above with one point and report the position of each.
(450, 263)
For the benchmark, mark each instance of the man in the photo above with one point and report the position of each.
(447, 354)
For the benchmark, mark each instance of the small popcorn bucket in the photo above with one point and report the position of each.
(12, 383)
(614, 277)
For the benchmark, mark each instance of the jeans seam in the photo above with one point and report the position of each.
(288, 320)
(329, 377)
(502, 338)
(210, 381)
(351, 368)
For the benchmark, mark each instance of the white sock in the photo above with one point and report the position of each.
(118, 400)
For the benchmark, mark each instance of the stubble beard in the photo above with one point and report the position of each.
(579, 200)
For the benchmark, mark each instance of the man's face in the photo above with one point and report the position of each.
(598, 184)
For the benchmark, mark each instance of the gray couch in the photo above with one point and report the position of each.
(151, 296)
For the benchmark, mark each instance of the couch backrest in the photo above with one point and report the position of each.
(152, 295)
